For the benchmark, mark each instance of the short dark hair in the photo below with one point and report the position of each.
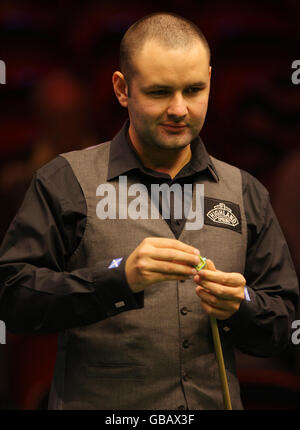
(169, 29)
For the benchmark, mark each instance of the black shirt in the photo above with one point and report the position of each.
(38, 294)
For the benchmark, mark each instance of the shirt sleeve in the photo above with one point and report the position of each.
(37, 293)
(262, 325)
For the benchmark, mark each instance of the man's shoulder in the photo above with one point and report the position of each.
(252, 185)
(249, 182)
(57, 165)
(98, 153)
(60, 165)
(87, 152)
(256, 199)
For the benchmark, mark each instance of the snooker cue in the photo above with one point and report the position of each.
(218, 350)
(220, 360)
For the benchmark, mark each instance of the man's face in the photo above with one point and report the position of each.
(169, 95)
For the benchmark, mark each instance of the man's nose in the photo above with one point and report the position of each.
(177, 106)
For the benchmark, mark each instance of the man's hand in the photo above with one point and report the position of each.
(159, 259)
(221, 293)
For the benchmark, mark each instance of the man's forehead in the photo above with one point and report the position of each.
(167, 83)
(156, 63)
(165, 80)
(151, 45)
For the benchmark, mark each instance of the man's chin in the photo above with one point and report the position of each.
(172, 142)
(171, 146)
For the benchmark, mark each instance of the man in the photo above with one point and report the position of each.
(121, 288)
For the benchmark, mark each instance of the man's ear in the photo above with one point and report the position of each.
(209, 72)
(120, 88)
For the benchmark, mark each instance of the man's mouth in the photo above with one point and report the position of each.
(174, 127)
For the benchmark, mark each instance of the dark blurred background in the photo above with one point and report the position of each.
(60, 56)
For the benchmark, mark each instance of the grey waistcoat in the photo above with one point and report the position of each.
(137, 359)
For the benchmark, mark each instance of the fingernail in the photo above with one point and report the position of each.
(196, 251)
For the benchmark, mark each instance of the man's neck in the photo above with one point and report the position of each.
(163, 160)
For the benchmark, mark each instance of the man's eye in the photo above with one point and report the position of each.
(158, 92)
(193, 90)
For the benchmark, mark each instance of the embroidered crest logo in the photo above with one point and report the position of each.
(222, 214)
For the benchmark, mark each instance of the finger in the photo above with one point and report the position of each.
(170, 268)
(215, 302)
(210, 265)
(213, 312)
(160, 277)
(163, 242)
(173, 255)
(229, 279)
(222, 291)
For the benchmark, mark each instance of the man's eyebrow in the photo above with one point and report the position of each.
(167, 87)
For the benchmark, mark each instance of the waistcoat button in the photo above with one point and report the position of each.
(183, 311)
(185, 377)
(181, 407)
(185, 343)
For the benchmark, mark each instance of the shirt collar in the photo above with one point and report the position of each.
(123, 158)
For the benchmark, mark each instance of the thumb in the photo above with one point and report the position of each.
(210, 265)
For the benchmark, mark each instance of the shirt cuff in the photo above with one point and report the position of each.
(112, 289)
(243, 317)
(247, 296)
